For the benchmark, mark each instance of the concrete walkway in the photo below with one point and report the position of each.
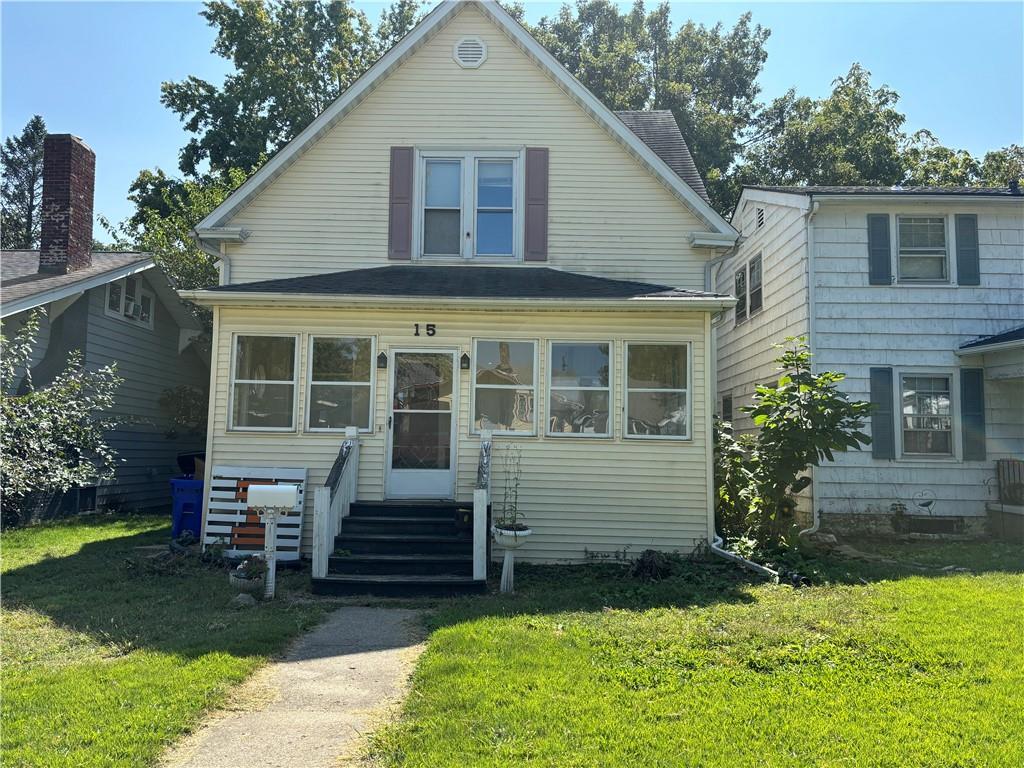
(312, 708)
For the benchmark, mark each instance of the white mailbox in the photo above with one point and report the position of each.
(272, 502)
(277, 496)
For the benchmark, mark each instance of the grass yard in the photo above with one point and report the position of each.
(874, 666)
(103, 664)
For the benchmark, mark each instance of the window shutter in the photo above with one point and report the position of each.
(883, 426)
(972, 413)
(400, 204)
(879, 250)
(968, 271)
(536, 238)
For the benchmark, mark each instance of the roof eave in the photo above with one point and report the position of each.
(984, 349)
(70, 289)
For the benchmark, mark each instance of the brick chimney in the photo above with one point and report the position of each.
(69, 176)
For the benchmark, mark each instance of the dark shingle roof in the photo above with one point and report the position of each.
(1014, 334)
(19, 271)
(459, 282)
(659, 131)
(863, 190)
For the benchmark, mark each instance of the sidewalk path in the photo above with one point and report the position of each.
(311, 708)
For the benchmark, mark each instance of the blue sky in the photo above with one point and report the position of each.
(94, 69)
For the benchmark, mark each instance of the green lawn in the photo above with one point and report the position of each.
(103, 664)
(872, 666)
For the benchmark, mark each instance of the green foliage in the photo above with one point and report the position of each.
(291, 58)
(21, 191)
(801, 422)
(928, 163)
(186, 409)
(1004, 166)
(52, 438)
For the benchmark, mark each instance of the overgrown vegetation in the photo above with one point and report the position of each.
(52, 438)
(801, 422)
(109, 655)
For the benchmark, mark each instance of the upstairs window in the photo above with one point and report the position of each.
(749, 292)
(470, 205)
(754, 281)
(922, 249)
(741, 294)
(128, 300)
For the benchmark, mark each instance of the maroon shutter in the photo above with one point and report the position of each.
(400, 204)
(536, 204)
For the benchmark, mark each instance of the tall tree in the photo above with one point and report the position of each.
(853, 136)
(291, 58)
(1003, 167)
(21, 160)
(929, 163)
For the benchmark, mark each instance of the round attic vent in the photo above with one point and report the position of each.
(470, 52)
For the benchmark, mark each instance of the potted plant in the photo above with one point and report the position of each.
(509, 530)
(249, 575)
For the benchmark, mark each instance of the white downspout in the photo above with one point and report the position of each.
(718, 549)
(815, 205)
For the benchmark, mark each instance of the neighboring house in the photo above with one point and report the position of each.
(468, 242)
(115, 308)
(917, 295)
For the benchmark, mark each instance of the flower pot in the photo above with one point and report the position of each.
(509, 539)
(242, 584)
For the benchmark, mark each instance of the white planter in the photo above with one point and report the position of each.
(509, 539)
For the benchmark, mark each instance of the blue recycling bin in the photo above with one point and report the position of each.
(187, 506)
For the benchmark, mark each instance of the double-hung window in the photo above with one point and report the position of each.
(504, 387)
(470, 205)
(740, 288)
(264, 383)
(922, 249)
(926, 414)
(340, 383)
(754, 283)
(579, 388)
(657, 390)
(128, 300)
(748, 288)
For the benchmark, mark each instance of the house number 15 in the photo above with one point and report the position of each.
(429, 328)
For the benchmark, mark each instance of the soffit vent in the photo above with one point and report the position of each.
(470, 52)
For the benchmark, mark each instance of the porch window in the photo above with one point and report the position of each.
(922, 249)
(927, 415)
(579, 388)
(263, 383)
(340, 383)
(657, 390)
(469, 207)
(128, 300)
(504, 387)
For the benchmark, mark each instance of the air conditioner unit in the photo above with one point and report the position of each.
(132, 310)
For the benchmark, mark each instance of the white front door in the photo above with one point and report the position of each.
(421, 424)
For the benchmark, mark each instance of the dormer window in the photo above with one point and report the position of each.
(470, 205)
(127, 300)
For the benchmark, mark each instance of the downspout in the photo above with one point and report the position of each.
(718, 549)
(815, 205)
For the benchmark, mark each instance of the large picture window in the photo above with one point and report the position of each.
(657, 390)
(340, 383)
(922, 248)
(504, 386)
(926, 414)
(469, 204)
(263, 383)
(579, 388)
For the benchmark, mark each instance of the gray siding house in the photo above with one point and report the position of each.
(917, 295)
(115, 308)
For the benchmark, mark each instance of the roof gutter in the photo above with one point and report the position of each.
(984, 349)
(920, 197)
(260, 299)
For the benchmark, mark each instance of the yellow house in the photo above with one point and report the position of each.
(467, 277)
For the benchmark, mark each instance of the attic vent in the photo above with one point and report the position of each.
(760, 217)
(470, 52)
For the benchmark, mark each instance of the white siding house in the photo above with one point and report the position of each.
(891, 287)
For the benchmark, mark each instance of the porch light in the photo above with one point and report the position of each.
(464, 361)
(382, 360)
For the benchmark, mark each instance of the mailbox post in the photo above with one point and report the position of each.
(272, 502)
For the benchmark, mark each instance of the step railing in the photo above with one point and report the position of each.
(331, 501)
(481, 501)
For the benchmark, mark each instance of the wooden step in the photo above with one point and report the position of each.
(401, 544)
(399, 565)
(406, 508)
(404, 525)
(397, 586)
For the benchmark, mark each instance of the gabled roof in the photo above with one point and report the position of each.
(1012, 337)
(901, 191)
(24, 288)
(659, 130)
(462, 282)
(407, 46)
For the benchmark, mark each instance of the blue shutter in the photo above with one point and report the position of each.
(972, 413)
(879, 250)
(968, 271)
(883, 422)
